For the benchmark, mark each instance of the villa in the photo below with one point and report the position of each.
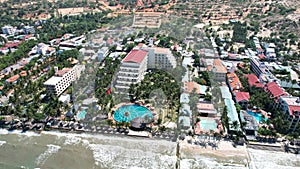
(234, 83)
(254, 81)
(206, 110)
(242, 98)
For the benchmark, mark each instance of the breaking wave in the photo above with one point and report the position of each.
(52, 149)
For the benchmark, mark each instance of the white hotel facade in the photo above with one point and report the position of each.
(160, 58)
(62, 79)
(138, 60)
(132, 70)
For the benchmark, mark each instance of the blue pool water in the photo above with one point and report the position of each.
(134, 111)
(208, 124)
(81, 115)
(257, 116)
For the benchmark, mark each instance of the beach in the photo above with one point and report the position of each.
(52, 150)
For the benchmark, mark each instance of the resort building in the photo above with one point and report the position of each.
(206, 110)
(102, 53)
(8, 30)
(234, 83)
(161, 58)
(28, 30)
(62, 79)
(219, 70)
(251, 126)
(189, 87)
(254, 81)
(242, 98)
(132, 70)
(275, 91)
(261, 71)
(229, 103)
(291, 107)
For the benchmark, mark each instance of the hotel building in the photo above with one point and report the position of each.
(132, 70)
(161, 58)
(291, 107)
(62, 79)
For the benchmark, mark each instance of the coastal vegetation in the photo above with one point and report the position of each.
(158, 79)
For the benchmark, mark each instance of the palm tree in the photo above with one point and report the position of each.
(235, 125)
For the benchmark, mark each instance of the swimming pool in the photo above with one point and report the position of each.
(81, 115)
(127, 113)
(257, 116)
(208, 125)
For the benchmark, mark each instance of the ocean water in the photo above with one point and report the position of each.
(54, 150)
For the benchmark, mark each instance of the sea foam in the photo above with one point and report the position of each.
(2, 142)
(52, 149)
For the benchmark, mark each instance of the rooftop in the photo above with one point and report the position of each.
(240, 96)
(63, 71)
(232, 113)
(13, 78)
(184, 98)
(53, 80)
(253, 80)
(205, 106)
(218, 66)
(275, 89)
(190, 86)
(225, 92)
(162, 50)
(234, 82)
(291, 100)
(136, 56)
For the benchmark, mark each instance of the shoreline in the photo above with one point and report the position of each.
(81, 132)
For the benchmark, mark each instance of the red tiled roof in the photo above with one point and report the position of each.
(253, 80)
(261, 56)
(23, 73)
(241, 65)
(234, 82)
(260, 49)
(11, 45)
(140, 45)
(275, 90)
(136, 56)
(109, 41)
(294, 109)
(13, 78)
(190, 86)
(240, 96)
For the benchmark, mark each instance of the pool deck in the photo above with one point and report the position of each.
(261, 112)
